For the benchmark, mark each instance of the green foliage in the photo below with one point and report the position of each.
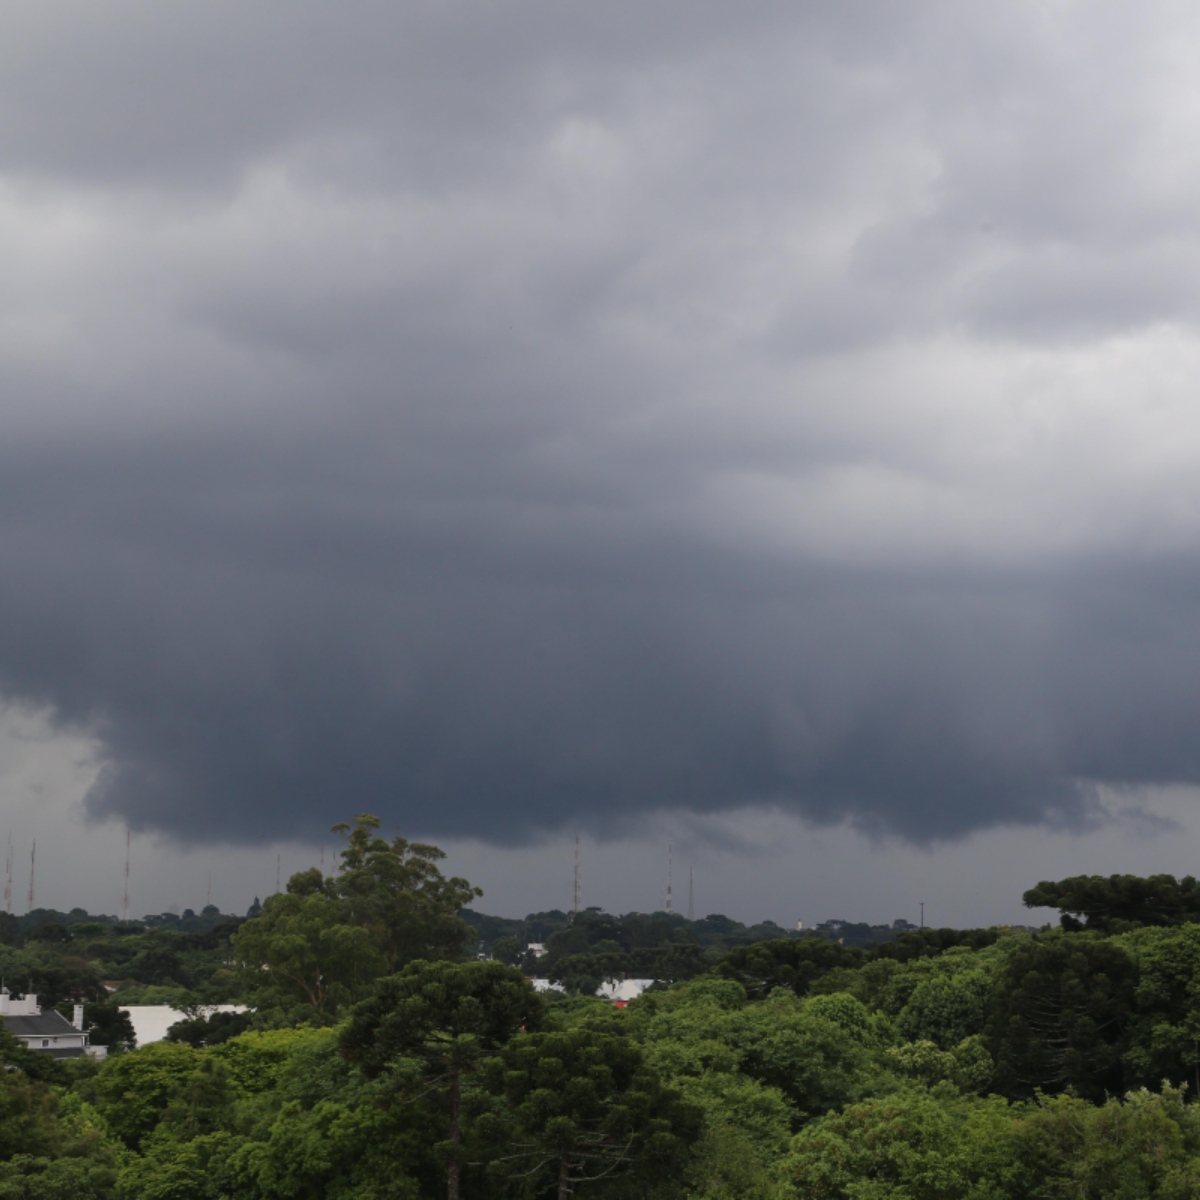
(36, 1177)
(304, 958)
(396, 890)
(968, 1066)
(946, 1008)
(27, 1116)
(796, 964)
(913, 1145)
(847, 1013)
(816, 1054)
(439, 1014)
(160, 966)
(1165, 1035)
(790, 1067)
(507, 950)
(746, 1126)
(929, 943)
(107, 1025)
(50, 931)
(581, 1108)
(935, 1145)
(582, 974)
(258, 1060)
(133, 1091)
(1061, 1011)
(196, 1169)
(1111, 904)
(210, 1030)
(814, 1061)
(429, 1027)
(1145, 1145)
(1060, 1017)
(332, 1150)
(10, 930)
(14, 1056)
(319, 947)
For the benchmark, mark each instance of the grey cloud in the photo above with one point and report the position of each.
(533, 416)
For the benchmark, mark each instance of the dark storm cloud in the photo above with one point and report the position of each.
(515, 416)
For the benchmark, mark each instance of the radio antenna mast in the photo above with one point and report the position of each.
(8, 865)
(691, 893)
(125, 893)
(208, 899)
(670, 863)
(578, 892)
(32, 863)
(277, 858)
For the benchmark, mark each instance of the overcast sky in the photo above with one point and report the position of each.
(771, 427)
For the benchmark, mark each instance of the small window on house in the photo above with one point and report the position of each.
(45, 1041)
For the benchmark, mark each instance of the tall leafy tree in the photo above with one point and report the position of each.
(320, 946)
(27, 1116)
(1112, 903)
(794, 963)
(305, 958)
(1061, 1012)
(582, 1107)
(397, 890)
(1165, 1036)
(946, 1008)
(429, 1028)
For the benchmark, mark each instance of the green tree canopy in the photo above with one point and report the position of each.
(27, 1116)
(1061, 1011)
(793, 963)
(305, 958)
(582, 1108)
(432, 1024)
(319, 947)
(1111, 903)
(396, 890)
(1165, 1035)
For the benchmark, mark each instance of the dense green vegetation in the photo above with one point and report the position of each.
(396, 1048)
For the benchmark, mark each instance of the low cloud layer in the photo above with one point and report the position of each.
(531, 416)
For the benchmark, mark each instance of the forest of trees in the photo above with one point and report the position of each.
(396, 1048)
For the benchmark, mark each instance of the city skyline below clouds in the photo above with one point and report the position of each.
(644, 422)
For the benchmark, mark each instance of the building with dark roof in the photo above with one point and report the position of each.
(48, 1033)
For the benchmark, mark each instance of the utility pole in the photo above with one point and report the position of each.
(278, 857)
(922, 903)
(208, 897)
(125, 894)
(670, 863)
(8, 875)
(691, 893)
(32, 863)
(577, 895)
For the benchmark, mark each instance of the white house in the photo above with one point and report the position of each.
(48, 1033)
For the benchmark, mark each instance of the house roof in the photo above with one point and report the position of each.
(48, 1024)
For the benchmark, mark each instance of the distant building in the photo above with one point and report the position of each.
(48, 1033)
(151, 1021)
(621, 991)
(537, 949)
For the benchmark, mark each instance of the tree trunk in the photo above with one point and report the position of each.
(564, 1178)
(452, 1171)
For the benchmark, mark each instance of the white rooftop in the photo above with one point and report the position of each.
(151, 1021)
